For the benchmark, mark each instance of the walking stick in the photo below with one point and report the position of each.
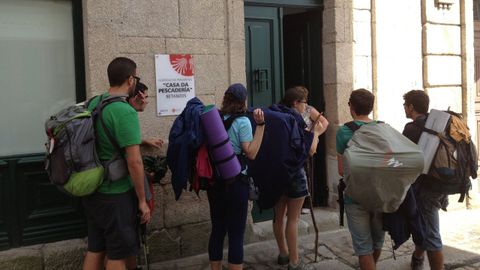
(146, 252)
(310, 186)
(142, 233)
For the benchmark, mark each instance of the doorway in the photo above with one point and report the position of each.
(283, 49)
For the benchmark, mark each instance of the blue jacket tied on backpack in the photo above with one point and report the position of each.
(185, 138)
(284, 149)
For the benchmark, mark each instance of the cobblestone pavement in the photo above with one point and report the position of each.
(460, 230)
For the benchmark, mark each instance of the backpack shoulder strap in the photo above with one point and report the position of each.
(229, 121)
(98, 111)
(87, 102)
(423, 128)
(352, 126)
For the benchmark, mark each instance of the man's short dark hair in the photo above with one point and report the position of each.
(140, 88)
(419, 99)
(361, 101)
(119, 70)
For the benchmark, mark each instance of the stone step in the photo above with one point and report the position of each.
(326, 219)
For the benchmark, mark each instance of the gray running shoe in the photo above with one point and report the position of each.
(417, 263)
(283, 259)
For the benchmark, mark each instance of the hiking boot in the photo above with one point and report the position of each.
(417, 263)
(299, 266)
(283, 259)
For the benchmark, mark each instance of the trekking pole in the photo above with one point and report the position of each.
(341, 200)
(146, 252)
(310, 185)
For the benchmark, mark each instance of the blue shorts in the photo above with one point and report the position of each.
(365, 228)
(428, 204)
(297, 188)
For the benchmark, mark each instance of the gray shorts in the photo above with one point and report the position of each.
(365, 228)
(428, 204)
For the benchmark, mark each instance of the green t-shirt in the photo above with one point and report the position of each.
(344, 134)
(122, 121)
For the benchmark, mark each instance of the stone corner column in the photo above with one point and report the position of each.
(338, 58)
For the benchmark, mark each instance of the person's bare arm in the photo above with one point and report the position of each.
(135, 168)
(314, 114)
(319, 127)
(340, 164)
(251, 148)
(153, 142)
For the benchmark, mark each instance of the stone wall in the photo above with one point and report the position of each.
(143, 28)
(213, 32)
(362, 38)
(443, 55)
(391, 49)
(399, 52)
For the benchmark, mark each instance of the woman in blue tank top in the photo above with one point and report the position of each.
(229, 200)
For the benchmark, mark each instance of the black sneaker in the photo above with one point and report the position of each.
(417, 263)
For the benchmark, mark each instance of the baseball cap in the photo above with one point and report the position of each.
(238, 91)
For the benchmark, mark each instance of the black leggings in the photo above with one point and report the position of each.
(228, 212)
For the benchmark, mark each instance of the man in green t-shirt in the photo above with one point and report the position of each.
(365, 226)
(112, 211)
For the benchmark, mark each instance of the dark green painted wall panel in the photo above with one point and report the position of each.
(33, 210)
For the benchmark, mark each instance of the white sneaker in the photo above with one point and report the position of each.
(305, 211)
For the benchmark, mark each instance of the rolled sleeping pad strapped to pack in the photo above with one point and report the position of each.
(219, 144)
(436, 121)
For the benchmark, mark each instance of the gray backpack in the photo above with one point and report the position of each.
(71, 158)
(380, 164)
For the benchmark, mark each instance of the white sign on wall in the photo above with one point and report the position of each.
(175, 82)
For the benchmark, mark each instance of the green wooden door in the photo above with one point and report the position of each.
(263, 66)
(263, 55)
